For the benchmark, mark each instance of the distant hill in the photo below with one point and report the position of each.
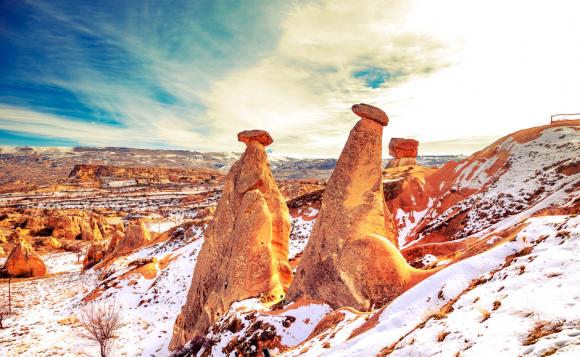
(47, 165)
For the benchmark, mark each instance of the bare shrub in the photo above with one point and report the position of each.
(100, 323)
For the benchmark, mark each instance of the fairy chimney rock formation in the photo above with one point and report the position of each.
(24, 262)
(136, 236)
(351, 258)
(245, 252)
(403, 151)
(115, 239)
(95, 253)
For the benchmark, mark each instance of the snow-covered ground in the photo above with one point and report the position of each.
(45, 320)
(301, 227)
(531, 179)
(524, 281)
(292, 324)
(495, 303)
(520, 297)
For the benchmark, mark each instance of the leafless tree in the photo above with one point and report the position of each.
(100, 323)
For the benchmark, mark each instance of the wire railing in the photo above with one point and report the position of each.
(568, 116)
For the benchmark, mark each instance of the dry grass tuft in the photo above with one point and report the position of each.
(542, 329)
(485, 313)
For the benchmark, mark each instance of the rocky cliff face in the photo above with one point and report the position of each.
(245, 252)
(352, 258)
(96, 173)
(528, 171)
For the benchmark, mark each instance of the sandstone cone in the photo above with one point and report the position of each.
(52, 242)
(67, 227)
(136, 236)
(115, 239)
(403, 151)
(24, 262)
(95, 254)
(245, 252)
(86, 231)
(35, 223)
(352, 258)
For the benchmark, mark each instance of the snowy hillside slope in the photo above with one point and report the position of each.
(525, 172)
(520, 298)
(504, 222)
(489, 297)
(149, 286)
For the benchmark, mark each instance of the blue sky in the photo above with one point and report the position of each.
(191, 74)
(81, 60)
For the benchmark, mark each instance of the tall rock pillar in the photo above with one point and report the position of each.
(245, 252)
(352, 258)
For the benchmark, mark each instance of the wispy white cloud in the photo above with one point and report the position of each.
(458, 74)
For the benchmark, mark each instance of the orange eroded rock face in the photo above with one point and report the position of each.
(24, 262)
(352, 258)
(95, 254)
(261, 136)
(245, 252)
(136, 236)
(400, 147)
(114, 242)
(404, 161)
(403, 151)
(370, 112)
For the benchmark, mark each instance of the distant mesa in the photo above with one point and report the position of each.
(403, 151)
(370, 112)
(245, 251)
(261, 136)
